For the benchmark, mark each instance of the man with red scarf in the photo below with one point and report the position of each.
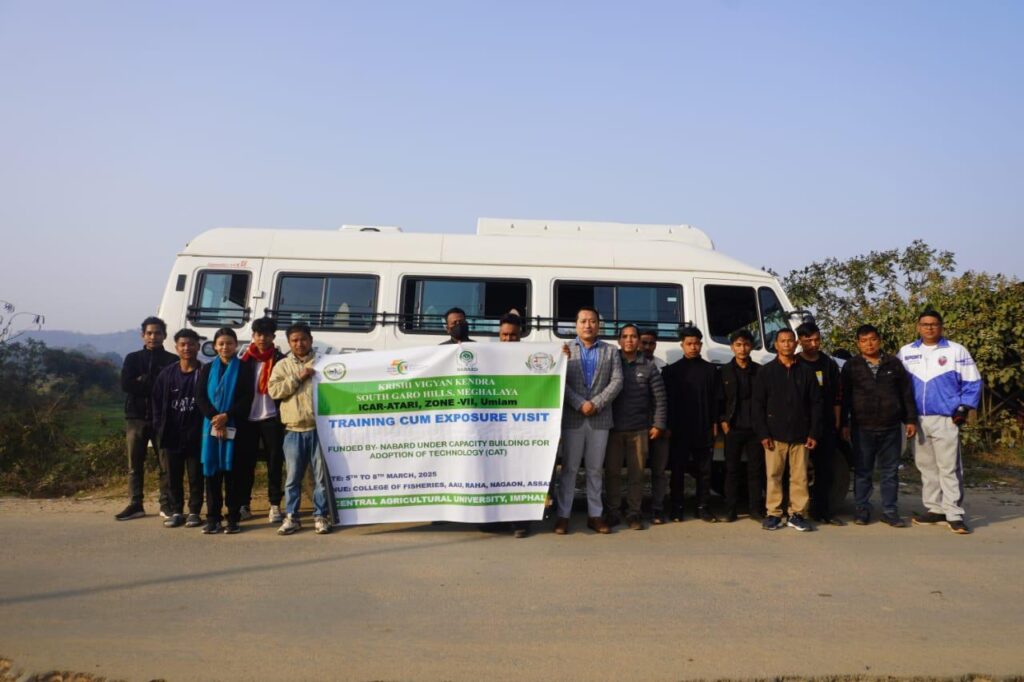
(263, 424)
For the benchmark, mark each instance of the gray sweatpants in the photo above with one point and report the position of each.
(586, 445)
(937, 456)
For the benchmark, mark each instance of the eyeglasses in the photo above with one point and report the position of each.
(929, 324)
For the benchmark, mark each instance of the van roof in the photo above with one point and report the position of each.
(637, 250)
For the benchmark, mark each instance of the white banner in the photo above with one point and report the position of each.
(455, 433)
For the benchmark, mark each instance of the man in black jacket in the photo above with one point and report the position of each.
(787, 418)
(826, 371)
(878, 404)
(138, 373)
(691, 385)
(737, 423)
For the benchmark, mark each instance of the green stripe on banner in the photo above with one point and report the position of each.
(506, 392)
(481, 500)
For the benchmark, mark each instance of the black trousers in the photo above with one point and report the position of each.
(270, 434)
(138, 434)
(696, 459)
(220, 488)
(178, 463)
(737, 443)
(823, 462)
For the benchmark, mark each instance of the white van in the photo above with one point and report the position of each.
(372, 288)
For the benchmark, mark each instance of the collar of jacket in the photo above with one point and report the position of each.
(943, 343)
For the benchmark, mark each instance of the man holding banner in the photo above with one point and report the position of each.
(593, 379)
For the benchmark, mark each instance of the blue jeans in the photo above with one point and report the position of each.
(882, 447)
(300, 449)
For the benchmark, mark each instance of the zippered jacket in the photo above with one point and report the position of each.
(138, 374)
(296, 395)
(641, 402)
(877, 401)
(944, 379)
(786, 403)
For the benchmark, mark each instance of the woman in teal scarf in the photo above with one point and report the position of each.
(224, 394)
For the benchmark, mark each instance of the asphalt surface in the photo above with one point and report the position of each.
(133, 600)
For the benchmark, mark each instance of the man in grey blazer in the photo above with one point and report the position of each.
(593, 379)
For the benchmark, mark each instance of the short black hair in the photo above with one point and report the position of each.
(866, 329)
(842, 354)
(686, 331)
(300, 328)
(784, 330)
(453, 310)
(627, 326)
(186, 334)
(649, 332)
(224, 331)
(511, 318)
(589, 308)
(153, 319)
(264, 325)
(928, 312)
(741, 334)
(807, 329)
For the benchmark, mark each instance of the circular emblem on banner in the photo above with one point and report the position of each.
(467, 360)
(540, 362)
(335, 371)
(398, 367)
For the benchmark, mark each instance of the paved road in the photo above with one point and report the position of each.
(134, 600)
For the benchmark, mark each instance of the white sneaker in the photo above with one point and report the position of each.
(322, 525)
(244, 513)
(275, 515)
(290, 525)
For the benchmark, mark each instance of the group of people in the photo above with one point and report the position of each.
(786, 418)
(623, 408)
(207, 423)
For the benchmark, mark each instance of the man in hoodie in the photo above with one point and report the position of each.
(263, 425)
(692, 387)
(177, 429)
(138, 373)
(291, 382)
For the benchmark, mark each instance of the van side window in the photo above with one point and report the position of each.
(220, 299)
(729, 309)
(426, 299)
(649, 306)
(772, 314)
(336, 302)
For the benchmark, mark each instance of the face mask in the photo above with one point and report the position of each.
(460, 330)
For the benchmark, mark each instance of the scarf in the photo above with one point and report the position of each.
(218, 453)
(267, 358)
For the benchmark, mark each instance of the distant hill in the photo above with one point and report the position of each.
(98, 345)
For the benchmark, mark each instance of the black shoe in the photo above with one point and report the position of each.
(132, 511)
(635, 522)
(894, 520)
(658, 518)
(862, 517)
(771, 523)
(677, 515)
(731, 516)
(757, 516)
(612, 519)
(233, 528)
(211, 527)
(175, 521)
(704, 514)
(959, 527)
(520, 529)
(928, 518)
(797, 522)
(193, 521)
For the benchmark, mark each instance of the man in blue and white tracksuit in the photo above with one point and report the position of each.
(946, 387)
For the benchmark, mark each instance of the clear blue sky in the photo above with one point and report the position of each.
(789, 131)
